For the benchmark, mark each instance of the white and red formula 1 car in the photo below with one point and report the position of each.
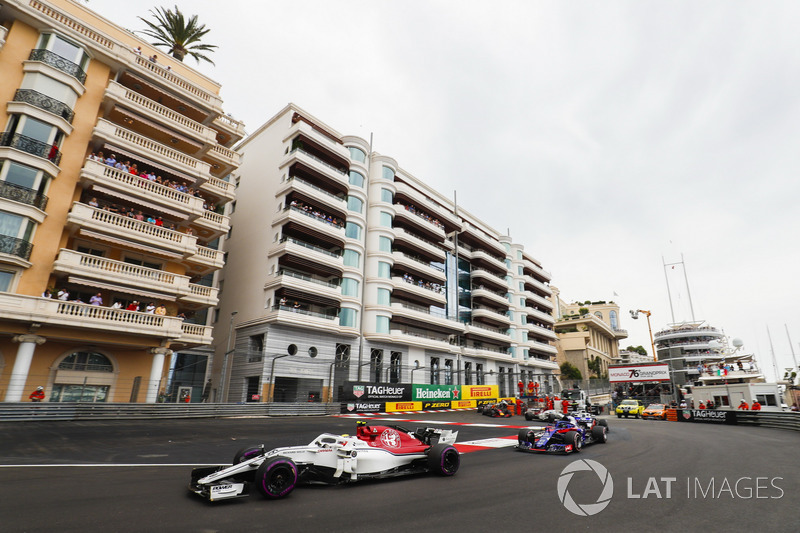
(375, 452)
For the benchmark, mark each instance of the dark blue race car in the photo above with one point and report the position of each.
(565, 436)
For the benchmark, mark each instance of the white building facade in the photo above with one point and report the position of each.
(342, 266)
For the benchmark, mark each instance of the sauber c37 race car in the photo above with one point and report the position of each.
(566, 436)
(375, 452)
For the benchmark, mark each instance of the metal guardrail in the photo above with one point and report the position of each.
(766, 419)
(45, 411)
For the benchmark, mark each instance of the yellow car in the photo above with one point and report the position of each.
(630, 408)
(655, 410)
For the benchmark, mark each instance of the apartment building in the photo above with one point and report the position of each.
(343, 266)
(115, 164)
(588, 331)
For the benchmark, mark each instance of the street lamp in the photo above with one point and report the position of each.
(635, 316)
(228, 351)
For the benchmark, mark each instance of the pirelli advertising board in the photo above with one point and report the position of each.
(479, 392)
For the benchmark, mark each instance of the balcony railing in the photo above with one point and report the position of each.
(58, 62)
(297, 275)
(42, 101)
(320, 161)
(31, 146)
(23, 195)
(310, 246)
(316, 188)
(327, 316)
(15, 247)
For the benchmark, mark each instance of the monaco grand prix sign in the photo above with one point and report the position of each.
(638, 373)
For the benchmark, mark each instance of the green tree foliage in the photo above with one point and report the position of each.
(594, 366)
(181, 36)
(638, 349)
(569, 371)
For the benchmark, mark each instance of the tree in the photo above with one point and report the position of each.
(637, 349)
(594, 366)
(570, 371)
(181, 36)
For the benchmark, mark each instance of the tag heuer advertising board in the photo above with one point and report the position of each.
(360, 391)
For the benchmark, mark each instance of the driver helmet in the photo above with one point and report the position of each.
(42, 388)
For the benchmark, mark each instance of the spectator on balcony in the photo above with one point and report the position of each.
(117, 305)
(150, 309)
(153, 58)
(93, 202)
(111, 160)
(133, 170)
(97, 299)
(150, 219)
(47, 294)
(133, 306)
(139, 215)
(138, 51)
(63, 295)
(160, 310)
(159, 221)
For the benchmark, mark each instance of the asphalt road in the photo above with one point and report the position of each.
(132, 476)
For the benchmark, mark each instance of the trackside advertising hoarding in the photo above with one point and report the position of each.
(436, 393)
(383, 392)
(638, 373)
(479, 392)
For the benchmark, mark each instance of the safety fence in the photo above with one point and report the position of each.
(768, 419)
(26, 411)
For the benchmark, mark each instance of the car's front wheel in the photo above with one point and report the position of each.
(444, 459)
(276, 477)
(599, 434)
(246, 453)
(572, 437)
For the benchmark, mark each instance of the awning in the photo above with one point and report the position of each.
(111, 149)
(134, 200)
(117, 288)
(131, 244)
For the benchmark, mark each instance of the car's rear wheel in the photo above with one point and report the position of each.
(528, 415)
(572, 437)
(604, 423)
(599, 434)
(276, 477)
(444, 459)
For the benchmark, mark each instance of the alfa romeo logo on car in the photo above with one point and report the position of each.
(586, 509)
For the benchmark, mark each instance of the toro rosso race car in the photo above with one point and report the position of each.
(567, 435)
(375, 452)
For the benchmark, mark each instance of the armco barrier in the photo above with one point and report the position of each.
(768, 419)
(10, 412)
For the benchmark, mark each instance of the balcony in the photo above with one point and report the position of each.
(411, 337)
(301, 127)
(481, 276)
(308, 223)
(214, 224)
(418, 266)
(321, 196)
(126, 231)
(23, 195)
(422, 317)
(302, 287)
(428, 205)
(537, 285)
(310, 253)
(429, 225)
(195, 334)
(479, 292)
(139, 144)
(478, 239)
(201, 295)
(530, 265)
(429, 248)
(207, 258)
(58, 63)
(223, 160)
(42, 101)
(230, 126)
(316, 165)
(544, 317)
(124, 184)
(178, 84)
(542, 347)
(486, 332)
(540, 300)
(219, 188)
(490, 315)
(488, 261)
(427, 293)
(486, 352)
(31, 146)
(15, 248)
(542, 332)
(144, 106)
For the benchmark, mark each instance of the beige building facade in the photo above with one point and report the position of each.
(83, 239)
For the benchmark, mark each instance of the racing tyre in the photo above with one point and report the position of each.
(528, 415)
(572, 437)
(444, 459)
(525, 435)
(480, 409)
(246, 453)
(599, 434)
(603, 423)
(276, 477)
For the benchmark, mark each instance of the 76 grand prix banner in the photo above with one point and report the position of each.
(638, 373)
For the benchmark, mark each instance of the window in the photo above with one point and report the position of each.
(394, 367)
(521, 286)
(348, 317)
(384, 270)
(86, 362)
(138, 262)
(357, 154)
(16, 226)
(598, 314)
(352, 258)
(522, 302)
(384, 244)
(467, 373)
(386, 219)
(388, 174)
(50, 87)
(519, 270)
(766, 399)
(448, 371)
(526, 354)
(508, 263)
(353, 231)
(256, 348)
(342, 354)
(384, 297)
(519, 254)
(523, 319)
(63, 48)
(434, 370)
(24, 176)
(356, 179)
(6, 278)
(479, 373)
(375, 365)
(501, 380)
(381, 324)
(524, 336)
(350, 287)
(612, 316)
(355, 205)
(387, 196)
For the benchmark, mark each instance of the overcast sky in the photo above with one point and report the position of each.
(605, 135)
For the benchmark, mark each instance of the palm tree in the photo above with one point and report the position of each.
(179, 35)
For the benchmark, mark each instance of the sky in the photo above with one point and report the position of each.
(610, 138)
